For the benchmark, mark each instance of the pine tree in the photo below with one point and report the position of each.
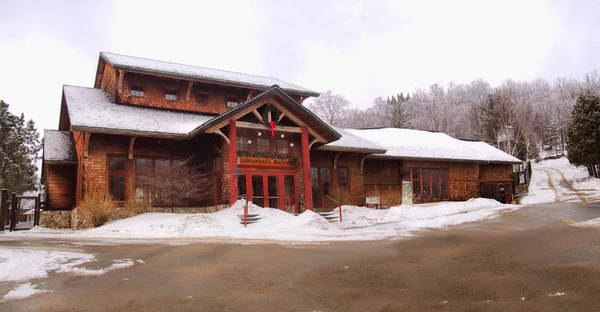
(583, 132)
(19, 151)
(399, 118)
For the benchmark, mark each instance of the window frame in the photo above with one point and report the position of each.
(153, 172)
(342, 182)
(243, 141)
(132, 92)
(202, 94)
(231, 97)
(268, 145)
(176, 94)
(117, 173)
(286, 144)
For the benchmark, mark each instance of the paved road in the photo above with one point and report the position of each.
(512, 263)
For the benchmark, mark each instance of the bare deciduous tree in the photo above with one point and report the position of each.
(330, 107)
(173, 182)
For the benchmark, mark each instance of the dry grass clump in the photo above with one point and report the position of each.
(96, 208)
(134, 207)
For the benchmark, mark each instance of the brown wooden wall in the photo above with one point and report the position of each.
(495, 173)
(155, 86)
(60, 186)
(102, 146)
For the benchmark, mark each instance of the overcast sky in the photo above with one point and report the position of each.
(361, 49)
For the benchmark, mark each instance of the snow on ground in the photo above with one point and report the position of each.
(556, 180)
(359, 223)
(24, 264)
(23, 291)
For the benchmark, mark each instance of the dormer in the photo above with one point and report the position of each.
(151, 83)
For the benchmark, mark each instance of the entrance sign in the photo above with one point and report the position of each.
(407, 193)
(266, 162)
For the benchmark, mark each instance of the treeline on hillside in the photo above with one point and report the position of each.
(535, 113)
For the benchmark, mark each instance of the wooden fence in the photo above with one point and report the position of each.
(9, 216)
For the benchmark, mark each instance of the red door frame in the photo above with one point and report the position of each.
(280, 185)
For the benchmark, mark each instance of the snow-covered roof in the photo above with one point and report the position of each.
(94, 109)
(416, 144)
(188, 71)
(351, 142)
(59, 147)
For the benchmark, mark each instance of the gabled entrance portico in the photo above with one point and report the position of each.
(268, 143)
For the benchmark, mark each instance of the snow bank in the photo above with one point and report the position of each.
(359, 223)
(24, 264)
(23, 291)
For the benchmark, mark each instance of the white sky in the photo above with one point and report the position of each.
(362, 49)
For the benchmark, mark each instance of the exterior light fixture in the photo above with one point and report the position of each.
(249, 141)
(259, 133)
(282, 135)
(291, 144)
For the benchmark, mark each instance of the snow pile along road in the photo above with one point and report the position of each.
(359, 223)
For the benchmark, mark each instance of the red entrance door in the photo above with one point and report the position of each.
(269, 189)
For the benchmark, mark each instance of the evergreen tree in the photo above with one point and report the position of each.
(19, 151)
(583, 132)
(399, 112)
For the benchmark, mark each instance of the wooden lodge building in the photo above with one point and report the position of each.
(251, 135)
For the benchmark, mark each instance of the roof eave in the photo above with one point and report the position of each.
(131, 132)
(349, 149)
(444, 159)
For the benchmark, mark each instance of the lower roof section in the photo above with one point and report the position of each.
(424, 145)
(59, 147)
(94, 110)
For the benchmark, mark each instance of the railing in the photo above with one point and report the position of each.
(301, 203)
(244, 196)
(338, 204)
(9, 216)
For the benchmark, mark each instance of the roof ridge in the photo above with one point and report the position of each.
(197, 66)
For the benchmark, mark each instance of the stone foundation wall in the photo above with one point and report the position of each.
(190, 209)
(56, 219)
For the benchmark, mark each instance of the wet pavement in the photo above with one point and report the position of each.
(526, 260)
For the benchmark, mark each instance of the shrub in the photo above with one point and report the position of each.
(96, 208)
(134, 207)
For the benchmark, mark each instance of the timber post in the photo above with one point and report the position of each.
(13, 212)
(232, 159)
(3, 209)
(36, 215)
(308, 199)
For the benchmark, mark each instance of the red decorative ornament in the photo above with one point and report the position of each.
(272, 125)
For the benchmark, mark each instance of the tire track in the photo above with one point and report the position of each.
(581, 197)
(557, 196)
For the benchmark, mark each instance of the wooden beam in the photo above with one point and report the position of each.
(250, 94)
(280, 117)
(120, 82)
(335, 160)
(251, 125)
(312, 142)
(299, 122)
(258, 116)
(362, 162)
(223, 136)
(86, 143)
(189, 90)
(269, 116)
(131, 142)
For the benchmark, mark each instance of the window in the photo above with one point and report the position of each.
(151, 176)
(202, 98)
(342, 176)
(231, 101)
(171, 95)
(241, 144)
(137, 90)
(283, 147)
(116, 178)
(263, 146)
